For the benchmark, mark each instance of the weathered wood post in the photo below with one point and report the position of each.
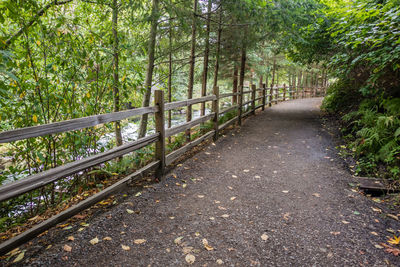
(284, 92)
(240, 103)
(263, 96)
(271, 95)
(215, 109)
(253, 99)
(276, 94)
(160, 128)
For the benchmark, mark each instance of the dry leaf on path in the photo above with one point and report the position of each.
(220, 262)
(285, 191)
(286, 216)
(139, 241)
(126, 247)
(19, 257)
(316, 195)
(376, 209)
(94, 241)
(392, 216)
(335, 233)
(107, 238)
(233, 198)
(345, 222)
(225, 215)
(178, 240)
(264, 237)
(200, 196)
(190, 258)
(206, 245)
(246, 170)
(67, 248)
(129, 211)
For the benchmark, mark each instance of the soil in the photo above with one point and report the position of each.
(271, 193)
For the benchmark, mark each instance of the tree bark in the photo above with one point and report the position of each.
(170, 76)
(242, 66)
(117, 125)
(273, 73)
(150, 66)
(191, 70)
(206, 55)
(235, 82)
(217, 54)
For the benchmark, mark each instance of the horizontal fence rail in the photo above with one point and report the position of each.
(265, 96)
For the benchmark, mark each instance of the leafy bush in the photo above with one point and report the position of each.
(340, 97)
(375, 128)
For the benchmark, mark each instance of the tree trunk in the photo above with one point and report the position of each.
(273, 73)
(235, 82)
(150, 67)
(191, 70)
(117, 125)
(242, 66)
(206, 53)
(216, 71)
(170, 77)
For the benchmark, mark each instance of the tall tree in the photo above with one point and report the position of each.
(206, 55)
(150, 66)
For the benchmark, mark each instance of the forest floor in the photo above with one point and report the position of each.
(271, 193)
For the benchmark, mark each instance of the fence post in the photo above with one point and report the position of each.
(240, 100)
(263, 96)
(253, 98)
(284, 92)
(276, 95)
(160, 128)
(271, 92)
(215, 108)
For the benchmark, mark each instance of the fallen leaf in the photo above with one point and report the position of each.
(94, 241)
(345, 222)
(197, 234)
(356, 213)
(378, 246)
(264, 237)
(190, 258)
(246, 170)
(392, 216)
(394, 241)
(220, 262)
(374, 233)
(19, 257)
(335, 233)
(376, 209)
(230, 187)
(200, 196)
(178, 240)
(184, 185)
(130, 211)
(285, 191)
(217, 201)
(207, 153)
(316, 195)
(212, 218)
(286, 216)
(391, 250)
(221, 208)
(275, 171)
(233, 198)
(225, 216)
(126, 247)
(67, 248)
(206, 245)
(71, 238)
(257, 177)
(139, 241)
(138, 194)
(234, 176)
(107, 238)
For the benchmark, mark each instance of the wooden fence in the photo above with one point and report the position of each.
(247, 103)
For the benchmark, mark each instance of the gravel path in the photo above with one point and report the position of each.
(272, 193)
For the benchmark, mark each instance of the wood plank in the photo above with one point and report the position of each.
(171, 157)
(71, 125)
(247, 102)
(184, 103)
(374, 186)
(227, 95)
(228, 109)
(180, 128)
(68, 213)
(226, 124)
(259, 106)
(41, 179)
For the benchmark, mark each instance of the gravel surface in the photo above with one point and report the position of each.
(271, 193)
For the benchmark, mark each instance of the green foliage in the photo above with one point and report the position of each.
(374, 128)
(341, 96)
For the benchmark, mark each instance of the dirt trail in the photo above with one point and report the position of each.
(272, 193)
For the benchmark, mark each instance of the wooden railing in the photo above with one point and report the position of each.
(39, 180)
